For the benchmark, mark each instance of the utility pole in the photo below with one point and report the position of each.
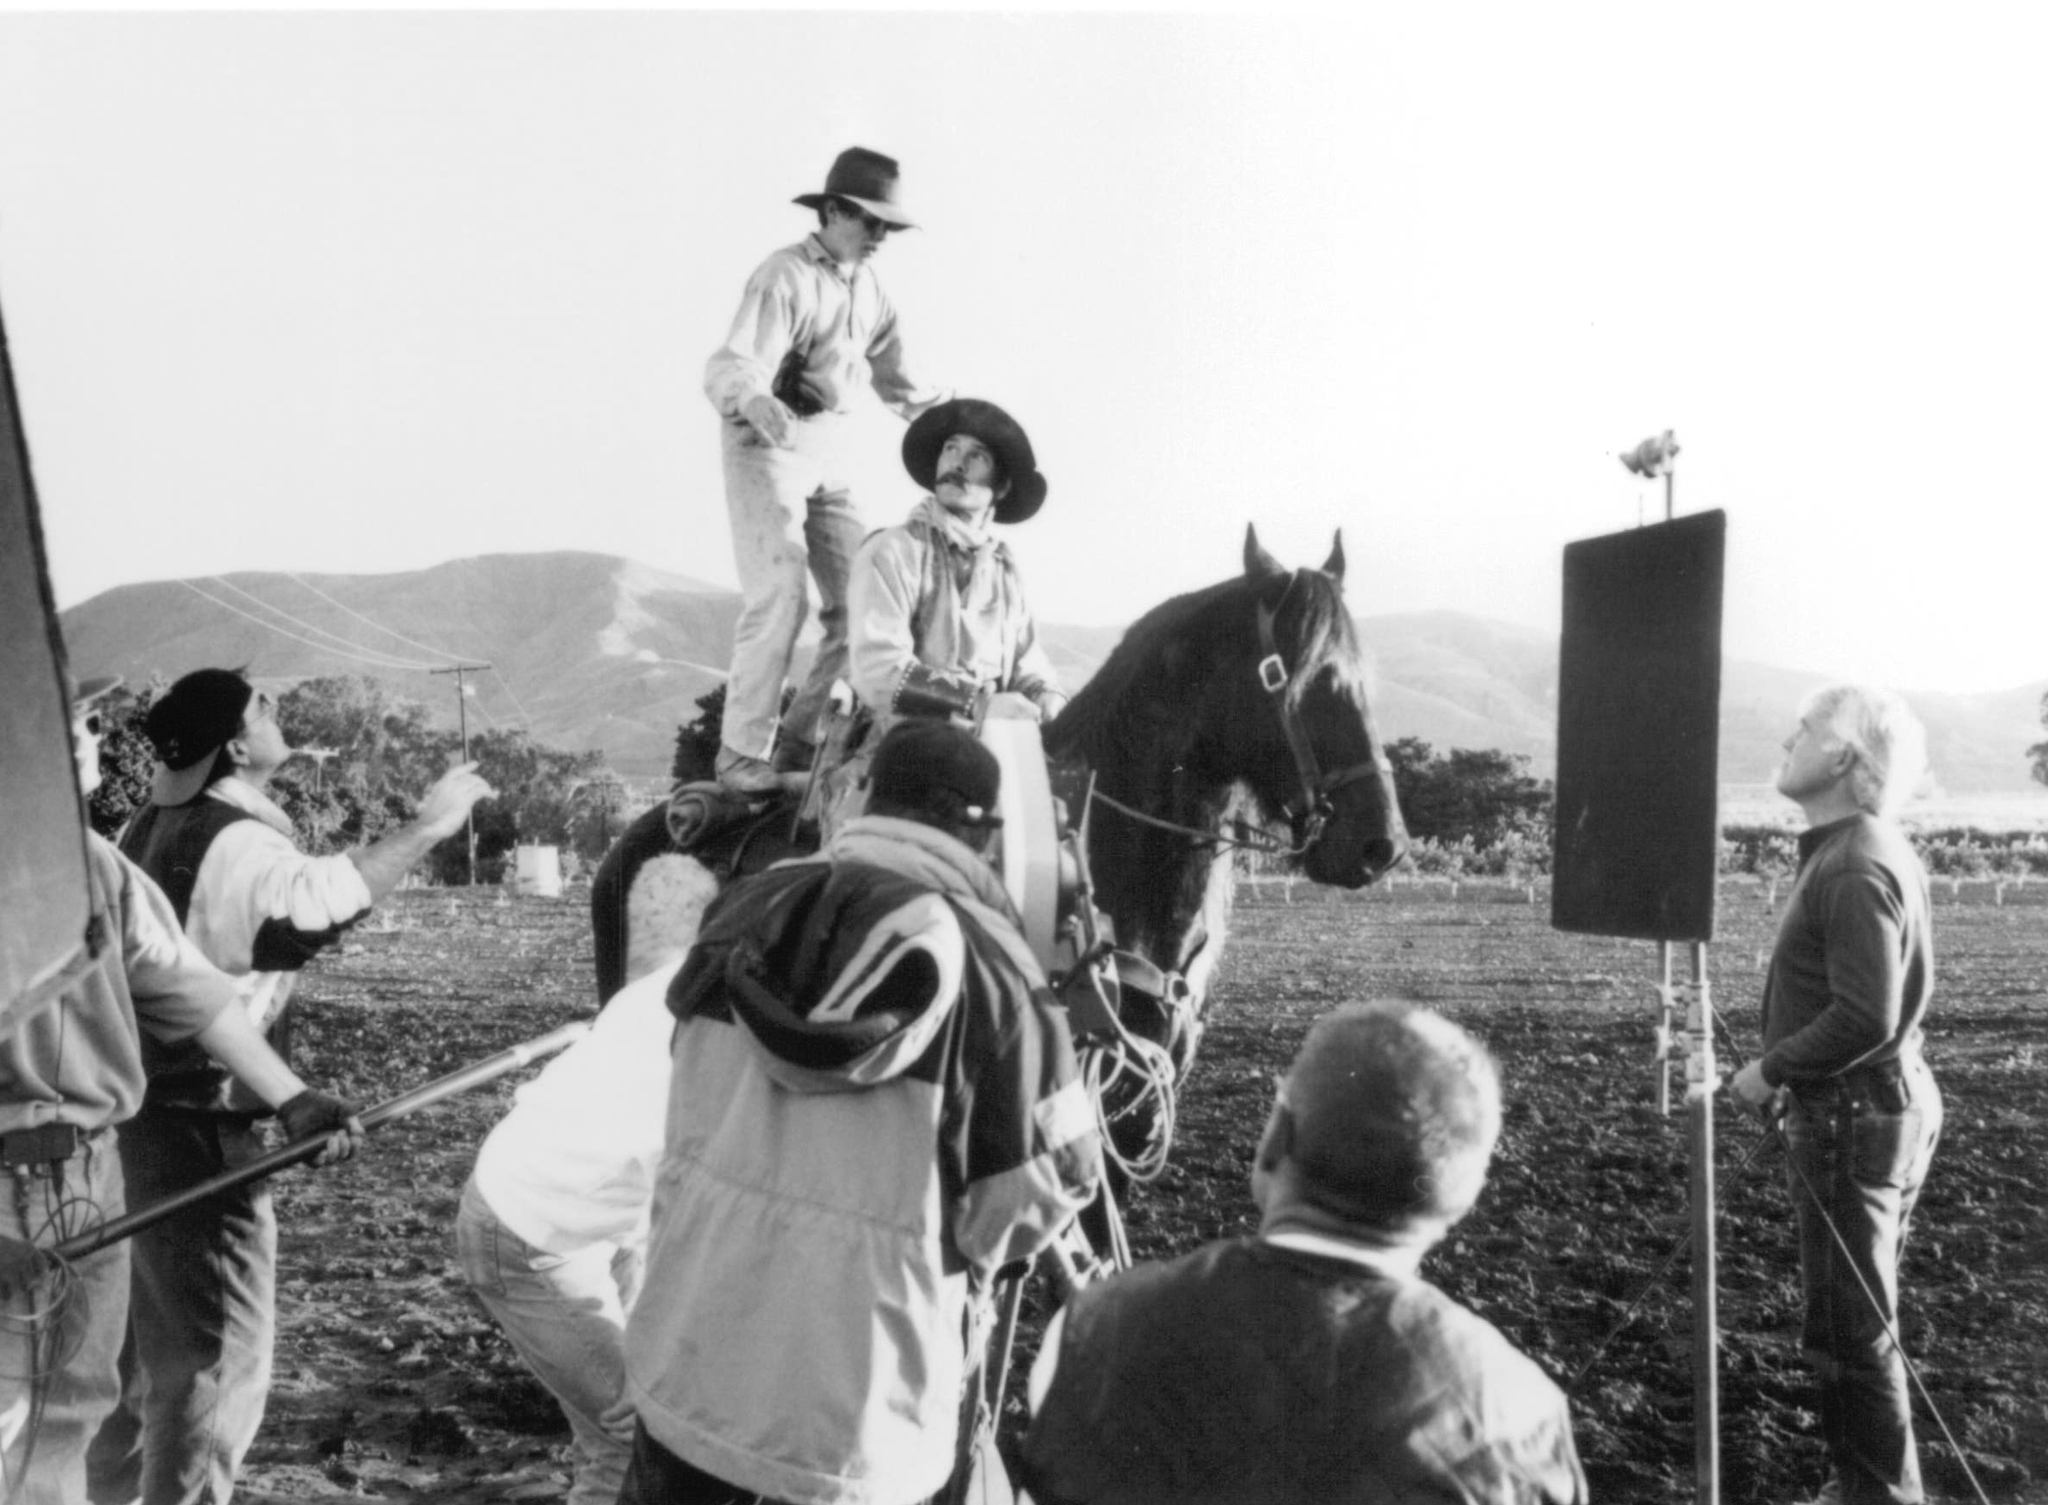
(319, 755)
(462, 718)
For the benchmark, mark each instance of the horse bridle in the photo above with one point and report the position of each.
(1312, 807)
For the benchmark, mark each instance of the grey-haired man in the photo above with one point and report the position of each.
(1847, 992)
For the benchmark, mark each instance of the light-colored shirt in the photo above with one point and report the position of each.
(573, 1163)
(79, 1059)
(801, 299)
(934, 590)
(253, 873)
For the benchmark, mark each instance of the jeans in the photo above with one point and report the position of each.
(566, 1315)
(659, 1477)
(85, 1331)
(1859, 1150)
(789, 512)
(202, 1317)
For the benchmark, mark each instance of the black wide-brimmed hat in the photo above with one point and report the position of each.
(869, 180)
(992, 426)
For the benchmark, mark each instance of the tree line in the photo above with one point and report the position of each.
(379, 752)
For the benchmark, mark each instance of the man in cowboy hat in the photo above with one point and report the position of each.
(812, 325)
(937, 608)
(69, 1071)
(259, 909)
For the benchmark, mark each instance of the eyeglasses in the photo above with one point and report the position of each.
(873, 224)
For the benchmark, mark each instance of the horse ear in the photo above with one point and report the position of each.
(1257, 561)
(1334, 565)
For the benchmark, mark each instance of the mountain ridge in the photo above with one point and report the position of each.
(597, 650)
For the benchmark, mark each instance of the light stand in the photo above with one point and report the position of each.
(1638, 817)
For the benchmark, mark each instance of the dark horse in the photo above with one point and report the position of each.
(1237, 708)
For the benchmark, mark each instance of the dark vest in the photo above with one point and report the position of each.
(169, 842)
(1247, 1373)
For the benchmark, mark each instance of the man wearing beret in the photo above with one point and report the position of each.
(70, 1071)
(812, 327)
(938, 614)
(1312, 1362)
(874, 1107)
(203, 1310)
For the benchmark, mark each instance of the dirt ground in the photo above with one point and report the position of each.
(392, 1383)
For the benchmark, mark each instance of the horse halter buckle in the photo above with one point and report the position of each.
(1272, 673)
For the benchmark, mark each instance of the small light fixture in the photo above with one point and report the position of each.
(1653, 457)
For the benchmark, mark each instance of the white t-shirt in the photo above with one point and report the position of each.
(573, 1163)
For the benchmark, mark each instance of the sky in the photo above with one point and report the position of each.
(364, 291)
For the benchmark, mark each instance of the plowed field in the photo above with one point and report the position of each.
(392, 1383)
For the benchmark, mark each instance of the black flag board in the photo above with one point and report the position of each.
(1638, 724)
(43, 903)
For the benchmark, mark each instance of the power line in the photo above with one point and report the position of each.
(395, 661)
(273, 627)
(389, 632)
(524, 715)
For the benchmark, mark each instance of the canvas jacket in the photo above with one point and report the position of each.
(874, 1105)
(930, 591)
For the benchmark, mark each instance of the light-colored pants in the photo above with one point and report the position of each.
(791, 512)
(80, 1341)
(566, 1315)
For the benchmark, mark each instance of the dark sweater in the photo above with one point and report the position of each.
(1853, 969)
(1250, 1374)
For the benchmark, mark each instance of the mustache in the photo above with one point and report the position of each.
(956, 475)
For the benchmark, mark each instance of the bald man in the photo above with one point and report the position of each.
(1312, 1362)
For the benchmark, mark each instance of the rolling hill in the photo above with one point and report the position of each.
(591, 650)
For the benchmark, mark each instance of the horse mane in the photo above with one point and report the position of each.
(1140, 698)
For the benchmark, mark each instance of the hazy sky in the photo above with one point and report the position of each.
(368, 291)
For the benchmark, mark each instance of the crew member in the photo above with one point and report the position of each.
(1845, 1001)
(1312, 1362)
(203, 1309)
(875, 1106)
(69, 1072)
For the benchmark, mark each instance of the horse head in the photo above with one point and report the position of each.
(1300, 730)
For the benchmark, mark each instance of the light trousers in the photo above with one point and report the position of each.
(63, 1353)
(792, 516)
(566, 1316)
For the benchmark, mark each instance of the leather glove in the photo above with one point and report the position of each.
(925, 691)
(314, 1112)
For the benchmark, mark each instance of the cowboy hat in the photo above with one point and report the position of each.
(1004, 437)
(865, 178)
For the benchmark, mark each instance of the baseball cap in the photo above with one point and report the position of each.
(192, 722)
(919, 757)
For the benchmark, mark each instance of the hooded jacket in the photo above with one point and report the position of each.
(874, 1106)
